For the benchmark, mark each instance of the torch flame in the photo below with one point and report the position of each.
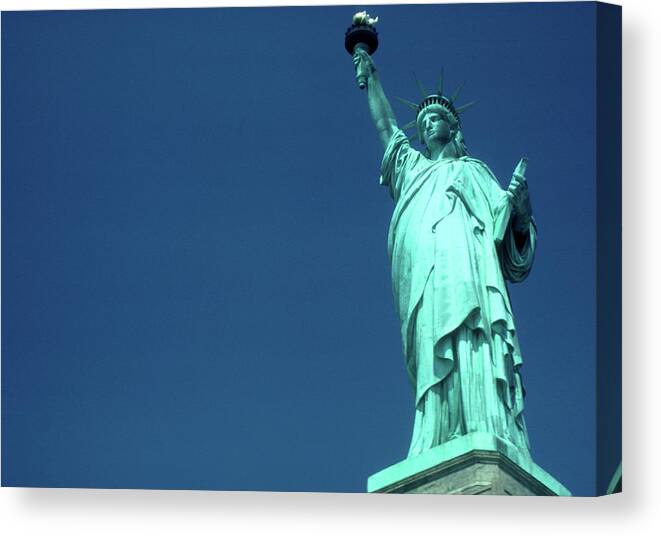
(363, 18)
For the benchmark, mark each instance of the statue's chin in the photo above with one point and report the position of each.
(437, 143)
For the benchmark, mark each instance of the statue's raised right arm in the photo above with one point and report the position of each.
(380, 109)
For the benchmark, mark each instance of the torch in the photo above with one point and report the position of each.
(361, 34)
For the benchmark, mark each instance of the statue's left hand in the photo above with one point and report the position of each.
(517, 192)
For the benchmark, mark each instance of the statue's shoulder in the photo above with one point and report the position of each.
(479, 166)
(473, 161)
(399, 143)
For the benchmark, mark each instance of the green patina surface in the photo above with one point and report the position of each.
(455, 238)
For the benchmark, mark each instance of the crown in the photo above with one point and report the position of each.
(438, 99)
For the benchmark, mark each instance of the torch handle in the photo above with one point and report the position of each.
(361, 74)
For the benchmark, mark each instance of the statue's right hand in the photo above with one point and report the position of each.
(361, 56)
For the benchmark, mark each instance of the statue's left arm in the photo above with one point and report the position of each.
(517, 249)
(513, 228)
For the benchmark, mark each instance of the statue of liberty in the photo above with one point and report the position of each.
(455, 237)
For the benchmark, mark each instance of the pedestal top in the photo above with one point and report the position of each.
(458, 454)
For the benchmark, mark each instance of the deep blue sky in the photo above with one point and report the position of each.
(195, 284)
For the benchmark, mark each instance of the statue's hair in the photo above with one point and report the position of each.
(460, 144)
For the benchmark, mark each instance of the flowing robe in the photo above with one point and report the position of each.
(451, 248)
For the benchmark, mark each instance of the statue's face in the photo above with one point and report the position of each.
(436, 129)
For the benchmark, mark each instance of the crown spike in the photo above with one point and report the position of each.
(440, 83)
(410, 124)
(422, 89)
(464, 107)
(457, 92)
(410, 104)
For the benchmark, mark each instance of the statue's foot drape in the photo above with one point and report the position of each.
(473, 396)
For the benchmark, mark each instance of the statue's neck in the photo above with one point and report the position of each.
(447, 151)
